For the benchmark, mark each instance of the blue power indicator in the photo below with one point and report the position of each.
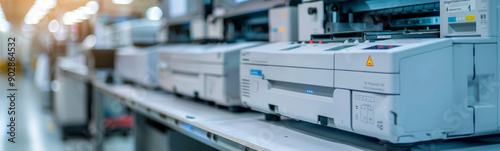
(310, 91)
(255, 72)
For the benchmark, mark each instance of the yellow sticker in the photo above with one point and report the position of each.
(369, 62)
(281, 29)
(284, 14)
(470, 18)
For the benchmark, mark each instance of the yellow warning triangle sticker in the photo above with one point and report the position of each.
(369, 62)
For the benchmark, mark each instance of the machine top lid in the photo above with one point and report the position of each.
(384, 56)
(318, 56)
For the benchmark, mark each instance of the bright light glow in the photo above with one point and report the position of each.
(89, 41)
(122, 2)
(27, 27)
(78, 14)
(69, 18)
(34, 19)
(39, 9)
(5, 26)
(52, 3)
(43, 5)
(83, 15)
(53, 26)
(93, 7)
(154, 13)
(61, 35)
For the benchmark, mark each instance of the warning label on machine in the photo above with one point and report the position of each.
(369, 62)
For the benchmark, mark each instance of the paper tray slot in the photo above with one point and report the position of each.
(302, 88)
(184, 73)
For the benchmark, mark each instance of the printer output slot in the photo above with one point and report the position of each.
(184, 73)
(469, 27)
(302, 89)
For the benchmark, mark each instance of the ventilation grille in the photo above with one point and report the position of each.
(245, 88)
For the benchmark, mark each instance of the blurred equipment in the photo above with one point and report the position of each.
(42, 79)
(138, 32)
(283, 24)
(207, 72)
(373, 19)
(310, 19)
(249, 19)
(137, 65)
(72, 96)
(190, 20)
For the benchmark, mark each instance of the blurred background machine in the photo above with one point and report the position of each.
(251, 19)
(207, 72)
(137, 65)
(135, 62)
(72, 97)
(188, 20)
(210, 71)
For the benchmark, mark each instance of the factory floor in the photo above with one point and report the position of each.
(36, 129)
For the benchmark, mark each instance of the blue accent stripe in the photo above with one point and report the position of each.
(255, 72)
(452, 19)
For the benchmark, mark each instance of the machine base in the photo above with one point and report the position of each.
(272, 117)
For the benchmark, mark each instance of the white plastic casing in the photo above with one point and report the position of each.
(208, 72)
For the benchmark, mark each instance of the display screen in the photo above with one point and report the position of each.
(381, 47)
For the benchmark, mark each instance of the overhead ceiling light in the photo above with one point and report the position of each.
(52, 3)
(92, 7)
(83, 15)
(68, 18)
(122, 2)
(154, 13)
(78, 15)
(39, 9)
(43, 5)
(53, 26)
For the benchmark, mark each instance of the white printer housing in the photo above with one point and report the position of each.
(399, 91)
(208, 72)
(294, 80)
(473, 26)
(310, 22)
(137, 65)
